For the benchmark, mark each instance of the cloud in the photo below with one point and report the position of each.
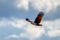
(30, 32)
(41, 5)
(18, 23)
(34, 31)
(49, 28)
(12, 36)
(54, 24)
(53, 33)
(22, 4)
(53, 28)
(45, 5)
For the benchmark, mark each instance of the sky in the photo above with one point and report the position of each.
(13, 25)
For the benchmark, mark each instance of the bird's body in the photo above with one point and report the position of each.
(37, 20)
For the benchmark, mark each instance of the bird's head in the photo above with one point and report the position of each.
(27, 19)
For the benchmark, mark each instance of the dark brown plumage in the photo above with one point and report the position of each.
(37, 20)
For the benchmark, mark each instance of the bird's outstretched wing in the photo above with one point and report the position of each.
(39, 18)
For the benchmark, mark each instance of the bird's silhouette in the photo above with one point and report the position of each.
(37, 20)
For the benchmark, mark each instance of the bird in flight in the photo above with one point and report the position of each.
(37, 20)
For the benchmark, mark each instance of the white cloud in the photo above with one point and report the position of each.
(32, 31)
(22, 4)
(41, 5)
(23, 35)
(11, 36)
(53, 33)
(53, 28)
(18, 23)
(3, 22)
(52, 24)
(45, 5)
